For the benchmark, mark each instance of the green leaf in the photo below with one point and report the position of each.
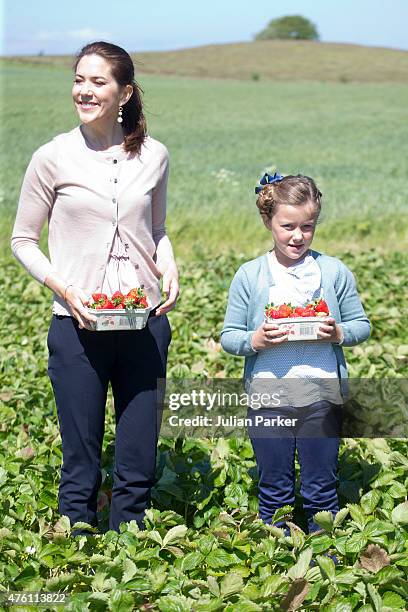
(3, 476)
(129, 570)
(397, 490)
(302, 565)
(282, 513)
(213, 605)
(271, 585)
(231, 583)
(155, 536)
(158, 577)
(139, 584)
(357, 515)
(393, 600)
(327, 566)
(399, 515)
(213, 586)
(190, 561)
(121, 601)
(242, 605)
(356, 543)
(370, 501)
(346, 577)
(60, 582)
(82, 525)
(174, 535)
(99, 582)
(174, 603)
(339, 604)
(340, 516)
(321, 543)
(221, 558)
(375, 597)
(388, 575)
(324, 519)
(297, 535)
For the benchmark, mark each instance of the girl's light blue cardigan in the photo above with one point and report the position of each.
(249, 293)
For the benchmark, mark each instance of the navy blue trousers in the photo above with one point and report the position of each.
(81, 365)
(315, 437)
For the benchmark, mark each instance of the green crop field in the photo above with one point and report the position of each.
(203, 548)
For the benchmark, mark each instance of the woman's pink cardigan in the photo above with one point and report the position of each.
(86, 195)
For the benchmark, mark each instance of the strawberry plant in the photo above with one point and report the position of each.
(204, 547)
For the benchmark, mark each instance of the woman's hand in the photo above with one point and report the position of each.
(329, 331)
(76, 298)
(170, 288)
(267, 335)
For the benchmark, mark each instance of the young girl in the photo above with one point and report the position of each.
(315, 372)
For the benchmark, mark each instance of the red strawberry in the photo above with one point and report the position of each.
(285, 311)
(99, 297)
(308, 312)
(299, 310)
(321, 307)
(138, 292)
(108, 304)
(128, 302)
(143, 302)
(117, 299)
(272, 313)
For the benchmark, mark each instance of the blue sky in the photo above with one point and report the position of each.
(53, 27)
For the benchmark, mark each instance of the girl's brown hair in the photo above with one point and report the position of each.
(123, 71)
(294, 190)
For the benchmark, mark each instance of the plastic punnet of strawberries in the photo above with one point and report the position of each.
(135, 299)
(319, 308)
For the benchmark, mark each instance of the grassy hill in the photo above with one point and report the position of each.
(280, 60)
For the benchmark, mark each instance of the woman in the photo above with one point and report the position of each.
(102, 187)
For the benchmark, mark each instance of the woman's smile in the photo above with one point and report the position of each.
(87, 105)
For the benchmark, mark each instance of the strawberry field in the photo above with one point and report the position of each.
(204, 548)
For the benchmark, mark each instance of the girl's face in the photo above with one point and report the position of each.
(96, 94)
(292, 229)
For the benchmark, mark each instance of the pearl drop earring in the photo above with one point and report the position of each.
(119, 119)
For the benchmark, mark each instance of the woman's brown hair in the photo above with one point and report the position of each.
(294, 190)
(123, 71)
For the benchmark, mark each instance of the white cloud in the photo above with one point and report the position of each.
(88, 34)
(82, 34)
(44, 35)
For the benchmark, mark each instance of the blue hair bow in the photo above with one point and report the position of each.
(267, 179)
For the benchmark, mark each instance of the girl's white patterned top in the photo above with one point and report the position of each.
(309, 366)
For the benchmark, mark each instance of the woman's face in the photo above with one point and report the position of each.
(96, 94)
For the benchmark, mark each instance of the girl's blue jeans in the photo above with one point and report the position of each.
(316, 439)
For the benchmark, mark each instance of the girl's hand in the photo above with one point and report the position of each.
(267, 335)
(76, 298)
(171, 289)
(329, 331)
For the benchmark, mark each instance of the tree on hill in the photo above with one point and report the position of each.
(293, 27)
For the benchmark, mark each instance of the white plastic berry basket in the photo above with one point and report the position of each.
(299, 328)
(119, 319)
